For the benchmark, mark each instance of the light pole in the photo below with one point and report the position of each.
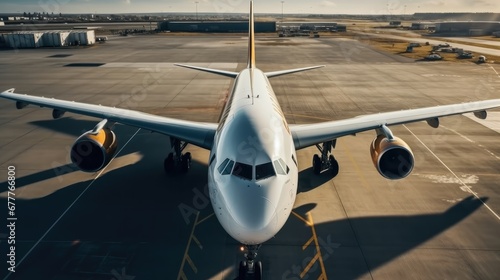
(196, 9)
(282, 18)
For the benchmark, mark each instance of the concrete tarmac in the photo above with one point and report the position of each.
(132, 221)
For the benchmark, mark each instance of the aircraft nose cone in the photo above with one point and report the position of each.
(255, 214)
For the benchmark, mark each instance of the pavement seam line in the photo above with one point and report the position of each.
(455, 175)
(71, 205)
(359, 246)
(181, 274)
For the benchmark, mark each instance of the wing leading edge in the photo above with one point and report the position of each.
(196, 133)
(310, 134)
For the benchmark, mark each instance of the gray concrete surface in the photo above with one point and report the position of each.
(134, 222)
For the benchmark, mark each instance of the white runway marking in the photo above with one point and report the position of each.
(492, 121)
(494, 70)
(71, 205)
(474, 142)
(154, 65)
(464, 185)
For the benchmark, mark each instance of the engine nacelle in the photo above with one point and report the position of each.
(392, 158)
(92, 152)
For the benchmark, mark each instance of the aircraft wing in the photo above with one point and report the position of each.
(306, 135)
(196, 133)
(290, 71)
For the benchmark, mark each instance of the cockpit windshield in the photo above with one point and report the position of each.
(243, 171)
(263, 171)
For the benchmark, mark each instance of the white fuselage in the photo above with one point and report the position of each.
(252, 174)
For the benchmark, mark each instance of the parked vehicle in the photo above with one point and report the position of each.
(465, 55)
(433, 56)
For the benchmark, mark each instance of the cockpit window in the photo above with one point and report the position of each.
(212, 160)
(243, 171)
(283, 163)
(281, 167)
(223, 165)
(228, 168)
(265, 170)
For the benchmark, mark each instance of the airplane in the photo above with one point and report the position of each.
(252, 166)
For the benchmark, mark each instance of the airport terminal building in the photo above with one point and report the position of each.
(215, 26)
(468, 28)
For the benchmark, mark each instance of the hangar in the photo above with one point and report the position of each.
(468, 28)
(215, 26)
(37, 39)
(423, 25)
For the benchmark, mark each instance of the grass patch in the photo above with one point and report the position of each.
(419, 53)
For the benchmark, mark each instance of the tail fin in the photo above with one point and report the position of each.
(251, 38)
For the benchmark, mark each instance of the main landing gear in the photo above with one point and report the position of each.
(176, 160)
(250, 268)
(326, 160)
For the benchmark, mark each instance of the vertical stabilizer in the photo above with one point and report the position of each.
(251, 39)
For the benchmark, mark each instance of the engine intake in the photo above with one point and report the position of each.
(92, 152)
(392, 158)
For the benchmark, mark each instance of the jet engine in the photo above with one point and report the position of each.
(393, 158)
(93, 150)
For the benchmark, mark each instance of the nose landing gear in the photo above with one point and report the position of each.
(250, 268)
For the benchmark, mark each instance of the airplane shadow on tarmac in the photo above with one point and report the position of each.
(128, 221)
(68, 126)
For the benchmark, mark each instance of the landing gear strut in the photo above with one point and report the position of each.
(176, 160)
(250, 268)
(326, 160)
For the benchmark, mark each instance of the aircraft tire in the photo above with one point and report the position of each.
(316, 164)
(334, 165)
(258, 271)
(168, 164)
(186, 162)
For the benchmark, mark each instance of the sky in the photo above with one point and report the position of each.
(260, 6)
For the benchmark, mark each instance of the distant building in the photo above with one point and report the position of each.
(468, 28)
(423, 25)
(38, 39)
(341, 28)
(312, 26)
(395, 23)
(215, 26)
